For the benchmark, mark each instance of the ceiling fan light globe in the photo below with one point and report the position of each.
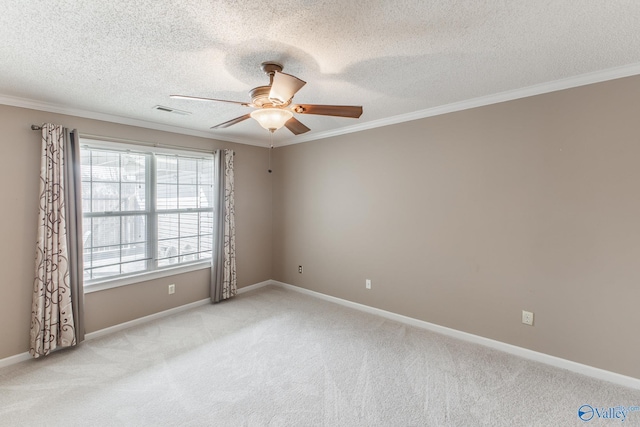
(271, 119)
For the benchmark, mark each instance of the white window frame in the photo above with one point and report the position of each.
(151, 211)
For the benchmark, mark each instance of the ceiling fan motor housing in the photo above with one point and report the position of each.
(270, 68)
(260, 98)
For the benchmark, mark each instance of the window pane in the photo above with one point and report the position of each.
(105, 231)
(168, 252)
(168, 226)
(183, 236)
(105, 166)
(167, 196)
(188, 196)
(205, 171)
(188, 224)
(188, 249)
(205, 196)
(86, 232)
(188, 170)
(206, 222)
(104, 272)
(133, 197)
(133, 254)
(86, 197)
(167, 169)
(87, 246)
(105, 256)
(133, 267)
(105, 197)
(85, 165)
(134, 167)
(206, 234)
(206, 245)
(134, 229)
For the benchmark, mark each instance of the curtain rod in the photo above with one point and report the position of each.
(148, 144)
(131, 141)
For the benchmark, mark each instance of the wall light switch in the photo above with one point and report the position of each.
(368, 283)
(172, 289)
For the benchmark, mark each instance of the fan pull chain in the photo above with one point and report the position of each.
(270, 149)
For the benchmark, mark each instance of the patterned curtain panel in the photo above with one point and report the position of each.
(223, 273)
(57, 306)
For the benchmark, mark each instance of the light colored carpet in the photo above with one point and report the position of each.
(273, 357)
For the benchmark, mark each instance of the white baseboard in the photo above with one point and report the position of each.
(145, 319)
(12, 360)
(557, 362)
(166, 313)
(255, 286)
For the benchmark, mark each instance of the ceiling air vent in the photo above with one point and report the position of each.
(171, 110)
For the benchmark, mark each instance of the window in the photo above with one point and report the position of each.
(144, 211)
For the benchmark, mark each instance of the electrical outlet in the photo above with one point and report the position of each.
(300, 269)
(367, 283)
(172, 289)
(527, 318)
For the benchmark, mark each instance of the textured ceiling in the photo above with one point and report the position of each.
(122, 57)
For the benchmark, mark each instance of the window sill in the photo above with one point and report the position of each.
(151, 275)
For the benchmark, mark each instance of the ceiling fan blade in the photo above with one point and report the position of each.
(231, 122)
(295, 126)
(283, 88)
(197, 98)
(329, 110)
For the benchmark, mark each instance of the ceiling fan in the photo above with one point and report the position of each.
(272, 103)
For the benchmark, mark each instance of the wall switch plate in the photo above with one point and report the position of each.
(367, 283)
(172, 289)
(527, 318)
(300, 269)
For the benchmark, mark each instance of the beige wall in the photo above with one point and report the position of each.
(462, 220)
(19, 170)
(468, 218)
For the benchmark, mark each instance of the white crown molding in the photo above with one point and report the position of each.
(76, 112)
(547, 359)
(539, 89)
